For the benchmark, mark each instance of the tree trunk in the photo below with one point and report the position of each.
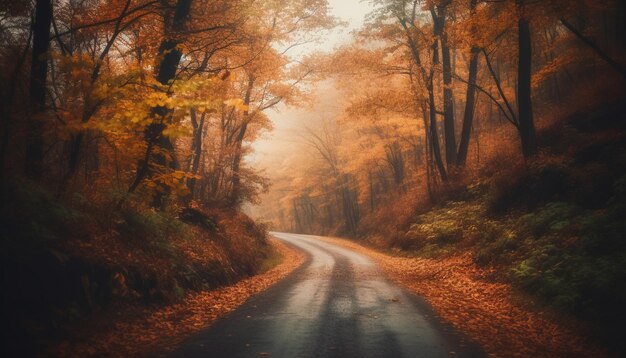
(448, 96)
(468, 115)
(196, 149)
(6, 107)
(393, 152)
(234, 198)
(166, 71)
(428, 79)
(38, 76)
(235, 195)
(524, 101)
(428, 160)
(434, 133)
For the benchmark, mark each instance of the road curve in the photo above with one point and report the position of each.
(335, 305)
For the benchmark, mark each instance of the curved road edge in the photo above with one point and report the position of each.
(487, 312)
(337, 304)
(208, 307)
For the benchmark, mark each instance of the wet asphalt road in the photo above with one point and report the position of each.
(337, 304)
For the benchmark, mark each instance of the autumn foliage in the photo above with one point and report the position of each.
(428, 92)
(119, 118)
(487, 131)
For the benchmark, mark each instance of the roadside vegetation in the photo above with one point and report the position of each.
(124, 128)
(66, 263)
(552, 227)
(490, 129)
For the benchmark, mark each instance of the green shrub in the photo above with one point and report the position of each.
(603, 232)
(440, 231)
(551, 217)
(547, 273)
(574, 281)
(499, 249)
(149, 225)
(586, 277)
(32, 214)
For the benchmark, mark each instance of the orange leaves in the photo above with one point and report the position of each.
(175, 180)
(236, 103)
(158, 99)
(488, 312)
(139, 332)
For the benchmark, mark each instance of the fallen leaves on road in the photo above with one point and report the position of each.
(485, 311)
(158, 330)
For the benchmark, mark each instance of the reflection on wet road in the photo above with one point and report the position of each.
(336, 305)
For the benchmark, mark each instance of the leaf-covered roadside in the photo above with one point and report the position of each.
(489, 313)
(69, 265)
(161, 329)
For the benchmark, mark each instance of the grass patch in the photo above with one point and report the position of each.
(273, 259)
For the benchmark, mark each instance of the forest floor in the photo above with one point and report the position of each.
(526, 257)
(139, 331)
(492, 314)
(462, 293)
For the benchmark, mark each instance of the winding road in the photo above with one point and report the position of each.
(337, 304)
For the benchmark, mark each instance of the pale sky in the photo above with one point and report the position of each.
(274, 147)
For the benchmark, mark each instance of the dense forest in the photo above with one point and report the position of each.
(431, 92)
(495, 128)
(124, 128)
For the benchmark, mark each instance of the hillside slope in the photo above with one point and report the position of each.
(551, 228)
(70, 265)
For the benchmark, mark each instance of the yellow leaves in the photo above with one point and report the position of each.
(176, 131)
(175, 180)
(237, 103)
(158, 99)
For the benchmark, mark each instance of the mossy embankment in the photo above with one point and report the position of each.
(551, 227)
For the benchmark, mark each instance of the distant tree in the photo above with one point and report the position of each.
(524, 97)
(468, 113)
(38, 79)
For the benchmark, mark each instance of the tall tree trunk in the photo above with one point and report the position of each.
(468, 114)
(524, 101)
(6, 108)
(235, 195)
(234, 198)
(393, 153)
(428, 80)
(171, 56)
(434, 133)
(38, 76)
(196, 149)
(166, 71)
(448, 96)
(427, 151)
